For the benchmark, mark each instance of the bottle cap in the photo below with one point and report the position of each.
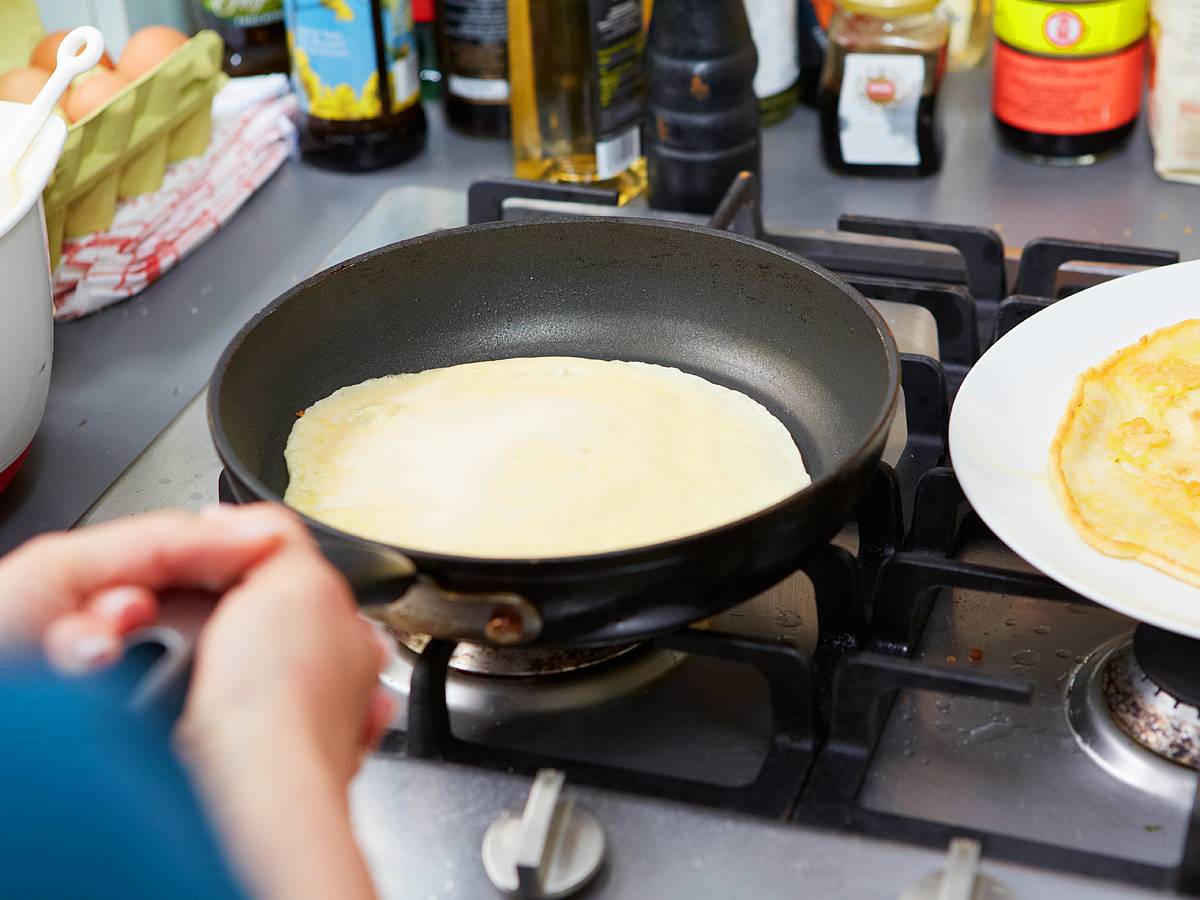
(888, 9)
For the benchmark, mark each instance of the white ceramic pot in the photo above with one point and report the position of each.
(26, 302)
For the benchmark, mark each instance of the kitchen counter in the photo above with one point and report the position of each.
(121, 376)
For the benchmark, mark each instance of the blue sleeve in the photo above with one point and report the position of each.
(94, 804)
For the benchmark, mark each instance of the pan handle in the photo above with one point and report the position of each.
(161, 690)
(390, 590)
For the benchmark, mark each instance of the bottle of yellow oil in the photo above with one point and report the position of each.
(575, 67)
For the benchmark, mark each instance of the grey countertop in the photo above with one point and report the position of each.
(120, 376)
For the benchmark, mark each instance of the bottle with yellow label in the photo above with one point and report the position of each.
(354, 66)
(1067, 80)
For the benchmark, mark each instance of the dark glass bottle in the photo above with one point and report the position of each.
(1067, 77)
(355, 67)
(427, 54)
(702, 117)
(811, 50)
(473, 49)
(878, 93)
(255, 41)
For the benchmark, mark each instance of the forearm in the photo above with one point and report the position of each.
(285, 824)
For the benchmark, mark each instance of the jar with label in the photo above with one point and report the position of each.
(776, 35)
(253, 33)
(473, 48)
(1067, 77)
(1174, 108)
(354, 67)
(878, 94)
(575, 68)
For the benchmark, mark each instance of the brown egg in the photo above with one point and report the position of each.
(147, 48)
(22, 85)
(45, 54)
(87, 95)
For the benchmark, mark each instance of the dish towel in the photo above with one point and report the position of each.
(253, 134)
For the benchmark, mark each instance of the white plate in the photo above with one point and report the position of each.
(1006, 415)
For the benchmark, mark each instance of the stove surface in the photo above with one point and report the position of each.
(978, 764)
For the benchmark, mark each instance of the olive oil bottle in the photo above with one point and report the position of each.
(577, 100)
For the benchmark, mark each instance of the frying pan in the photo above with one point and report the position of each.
(738, 312)
(1006, 415)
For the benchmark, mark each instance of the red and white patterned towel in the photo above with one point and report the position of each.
(252, 135)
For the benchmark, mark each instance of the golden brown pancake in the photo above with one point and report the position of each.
(1126, 459)
(537, 457)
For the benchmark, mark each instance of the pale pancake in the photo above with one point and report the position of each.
(537, 457)
(1126, 459)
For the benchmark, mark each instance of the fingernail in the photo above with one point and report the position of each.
(252, 529)
(216, 511)
(89, 651)
(113, 603)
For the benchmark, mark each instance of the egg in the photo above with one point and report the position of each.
(88, 94)
(22, 85)
(147, 48)
(45, 54)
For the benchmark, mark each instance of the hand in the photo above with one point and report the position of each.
(80, 592)
(284, 698)
(284, 703)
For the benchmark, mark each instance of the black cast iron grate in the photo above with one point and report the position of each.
(829, 710)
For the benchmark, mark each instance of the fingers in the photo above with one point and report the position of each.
(124, 609)
(92, 638)
(77, 643)
(54, 574)
(379, 714)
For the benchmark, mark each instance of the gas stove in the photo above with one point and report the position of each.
(916, 713)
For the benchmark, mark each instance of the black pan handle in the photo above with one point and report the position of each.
(390, 590)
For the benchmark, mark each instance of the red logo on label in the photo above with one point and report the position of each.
(1063, 28)
(881, 90)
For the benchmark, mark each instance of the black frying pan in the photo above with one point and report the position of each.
(738, 312)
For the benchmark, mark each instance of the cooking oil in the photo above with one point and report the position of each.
(577, 94)
(970, 32)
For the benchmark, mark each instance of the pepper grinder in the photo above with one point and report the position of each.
(701, 126)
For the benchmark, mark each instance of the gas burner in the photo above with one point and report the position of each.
(1141, 705)
(517, 662)
(486, 685)
(1131, 726)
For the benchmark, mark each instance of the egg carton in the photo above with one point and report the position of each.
(123, 147)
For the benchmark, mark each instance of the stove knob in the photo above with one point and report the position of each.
(960, 880)
(552, 850)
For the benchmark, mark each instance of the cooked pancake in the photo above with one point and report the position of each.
(537, 457)
(1126, 459)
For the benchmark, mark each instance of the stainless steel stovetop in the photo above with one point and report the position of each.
(1024, 771)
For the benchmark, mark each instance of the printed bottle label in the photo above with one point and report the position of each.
(246, 13)
(877, 109)
(775, 33)
(1071, 29)
(619, 95)
(1067, 96)
(335, 64)
(476, 33)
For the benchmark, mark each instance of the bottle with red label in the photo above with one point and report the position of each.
(1067, 80)
(879, 83)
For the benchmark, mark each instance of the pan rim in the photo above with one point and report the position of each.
(642, 553)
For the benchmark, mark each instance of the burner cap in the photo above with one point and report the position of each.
(1171, 660)
(517, 662)
(1143, 709)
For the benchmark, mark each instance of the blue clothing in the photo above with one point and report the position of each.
(93, 803)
